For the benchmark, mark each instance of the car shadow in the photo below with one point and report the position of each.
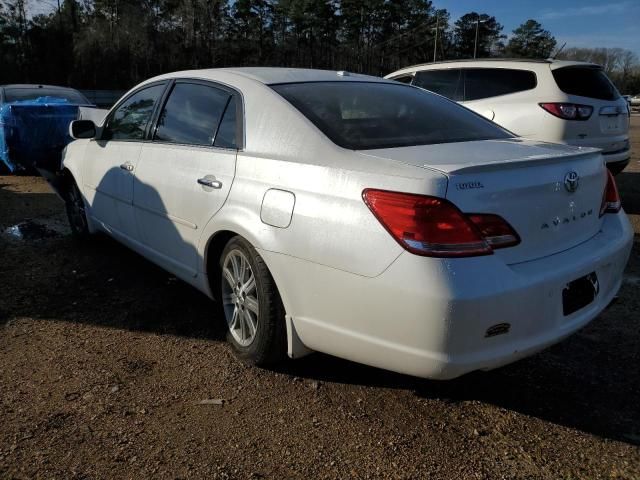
(50, 275)
(13, 205)
(589, 382)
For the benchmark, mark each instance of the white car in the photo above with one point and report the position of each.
(549, 100)
(354, 216)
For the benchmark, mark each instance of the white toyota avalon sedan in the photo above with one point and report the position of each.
(352, 215)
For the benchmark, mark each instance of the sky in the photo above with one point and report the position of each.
(580, 23)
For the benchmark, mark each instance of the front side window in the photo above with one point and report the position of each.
(447, 83)
(491, 82)
(129, 121)
(370, 115)
(192, 114)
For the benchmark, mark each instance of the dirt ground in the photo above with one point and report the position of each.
(104, 358)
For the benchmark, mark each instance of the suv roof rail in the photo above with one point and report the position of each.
(469, 60)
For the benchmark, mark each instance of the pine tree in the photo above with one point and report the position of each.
(530, 40)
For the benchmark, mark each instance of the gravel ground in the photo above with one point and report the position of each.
(104, 359)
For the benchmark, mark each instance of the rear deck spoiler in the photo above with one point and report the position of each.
(523, 162)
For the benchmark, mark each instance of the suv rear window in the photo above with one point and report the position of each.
(492, 82)
(588, 82)
(370, 115)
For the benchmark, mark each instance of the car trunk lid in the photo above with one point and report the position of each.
(531, 185)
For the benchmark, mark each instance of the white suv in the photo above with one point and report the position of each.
(549, 100)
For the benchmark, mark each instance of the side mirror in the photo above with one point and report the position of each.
(82, 129)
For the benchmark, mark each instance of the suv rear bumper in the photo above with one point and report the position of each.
(617, 161)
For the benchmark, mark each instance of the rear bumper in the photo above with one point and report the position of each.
(617, 166)
(429, 317)
(613, 152)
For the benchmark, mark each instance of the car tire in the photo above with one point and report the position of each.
(76, 212)
(251, 305)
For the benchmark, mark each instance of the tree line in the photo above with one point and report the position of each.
(113, 44)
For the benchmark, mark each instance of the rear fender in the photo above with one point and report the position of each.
(233, 218)
(247, 223)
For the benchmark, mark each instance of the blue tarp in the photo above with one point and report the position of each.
(34, 132)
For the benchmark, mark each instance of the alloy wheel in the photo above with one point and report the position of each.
(240, 297)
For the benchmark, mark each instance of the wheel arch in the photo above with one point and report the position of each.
(213, 250)
(61, 182)
(214, 247)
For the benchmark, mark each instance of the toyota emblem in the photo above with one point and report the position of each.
(571, 181)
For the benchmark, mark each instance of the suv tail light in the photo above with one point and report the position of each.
(611, 202)
(568, 111)
(434, 227)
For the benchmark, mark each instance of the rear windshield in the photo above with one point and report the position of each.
(367, 115)
(21, 94)
(585, 82)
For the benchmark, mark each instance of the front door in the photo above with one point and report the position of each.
(184, 175)
(111, 161)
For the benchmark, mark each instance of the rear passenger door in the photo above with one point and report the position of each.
(185, 173)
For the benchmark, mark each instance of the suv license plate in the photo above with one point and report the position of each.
(610, 124)
(579, 293)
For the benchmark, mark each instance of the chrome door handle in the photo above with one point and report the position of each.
(210, 181)
(127, 166)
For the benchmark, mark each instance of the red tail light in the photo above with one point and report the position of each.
(568, 111)
(434, 227)
(611, 202)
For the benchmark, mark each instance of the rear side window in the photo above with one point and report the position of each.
(403, 79)
(585, 82)
(228, 129)
(369, 115)
(192, 114)
(447, 83)
(129, 121)
(491, 82)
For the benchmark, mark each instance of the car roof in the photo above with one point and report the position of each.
(275, 75)
(493, 62)
(35, 86)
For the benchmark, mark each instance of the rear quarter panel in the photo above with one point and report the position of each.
(330, 224)
(519, 112)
